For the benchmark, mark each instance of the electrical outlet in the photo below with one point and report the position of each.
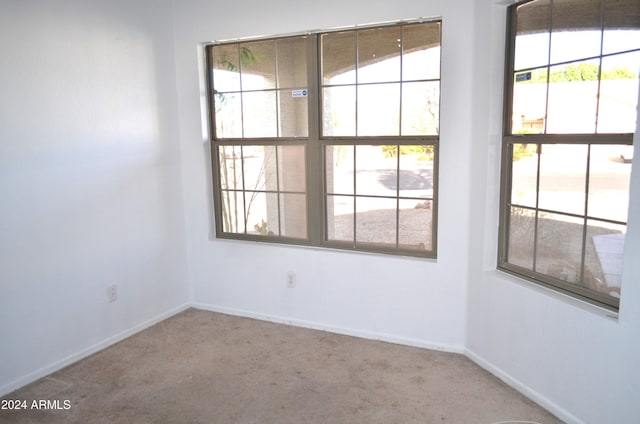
(112, 293)
(291, 279)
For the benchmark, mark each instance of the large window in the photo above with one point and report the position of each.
(570, 114)
(329, 139)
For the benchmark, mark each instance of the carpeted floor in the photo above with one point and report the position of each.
(204, 367)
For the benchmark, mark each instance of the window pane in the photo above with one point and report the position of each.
(609, 183)
(230, 167)
(421, 108)
(232, 212)
(262, 213)
(619, 93)
(532, 35)
(379, 55)
(605, 246)
(339, 169)
(379, 110)
(529, 102)
(291, 168)
(524, 173)
(292, 62)
(562, 178)
(573, 95)
(568, 202)
(621, 26)
(339, 58)
(263, 185)
(559, 246)
(260, 167)
(228, 115)
(264, 173)
(416, 171)
(259, 113)
(576, 30)
(617, 41)
(340, 218)
(293, 214)
(421, 52)
(339, 111)
(258, 65)
(376, 220)
(377, 170)
(521, 237)
(415, 217)
(293, 114)
(226, 68)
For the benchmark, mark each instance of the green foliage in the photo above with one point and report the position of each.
(618, 73)
(523, 150)
(580, 72)
(423, 152)
(247, 57)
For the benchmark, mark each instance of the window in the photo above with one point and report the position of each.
(328, 139)
(570, 114)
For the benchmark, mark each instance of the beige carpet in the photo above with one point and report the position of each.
(204, 367)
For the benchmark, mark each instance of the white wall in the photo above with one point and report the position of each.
(569, 357)
(91, 157)
(420, 302)
(90, 178)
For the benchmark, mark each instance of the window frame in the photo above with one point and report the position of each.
(315, 154)
(509, 139)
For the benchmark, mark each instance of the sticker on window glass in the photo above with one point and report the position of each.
(525, 76)
(299, 93)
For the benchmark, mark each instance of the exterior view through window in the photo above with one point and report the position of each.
(328, 139)
(570, 114)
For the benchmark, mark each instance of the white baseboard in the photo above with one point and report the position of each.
(389, 338)
(43, 372)
(527, 391)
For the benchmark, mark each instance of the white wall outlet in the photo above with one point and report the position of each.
(112, 293)
(291, 279)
